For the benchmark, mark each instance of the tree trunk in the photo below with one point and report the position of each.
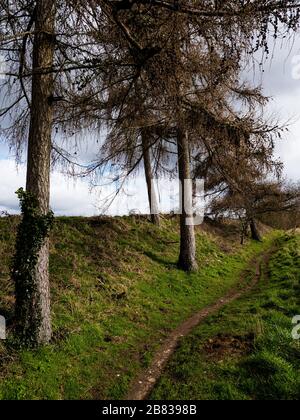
(187, 258)
(255, 235)
(149, 179)
(33, 304)
(244, 229)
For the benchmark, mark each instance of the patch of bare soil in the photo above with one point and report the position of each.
(224, 347)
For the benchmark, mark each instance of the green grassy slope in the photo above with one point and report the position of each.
(246, 351)
(116, 294)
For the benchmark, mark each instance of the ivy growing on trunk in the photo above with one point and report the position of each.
(33, 231)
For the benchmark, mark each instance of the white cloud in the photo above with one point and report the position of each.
(11, 179)
(74, 198)
(279, 83)
(67, 197)
(286, 106)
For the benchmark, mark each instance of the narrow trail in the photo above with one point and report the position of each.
(145, 382)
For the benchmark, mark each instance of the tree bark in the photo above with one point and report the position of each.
(187, 258)
(255, 235)
(33, 308)
(244, 231)
(153, 203)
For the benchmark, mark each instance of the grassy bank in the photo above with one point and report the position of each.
(246, 351)
(116, 293)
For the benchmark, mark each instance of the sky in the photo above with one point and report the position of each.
(280, 81)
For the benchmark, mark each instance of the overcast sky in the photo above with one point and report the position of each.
(280, 80)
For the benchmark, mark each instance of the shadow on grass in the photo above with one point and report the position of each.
(168, 264)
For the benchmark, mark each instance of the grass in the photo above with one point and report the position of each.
(116, 293)
(245, 352)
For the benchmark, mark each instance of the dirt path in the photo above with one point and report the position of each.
(144, 384)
